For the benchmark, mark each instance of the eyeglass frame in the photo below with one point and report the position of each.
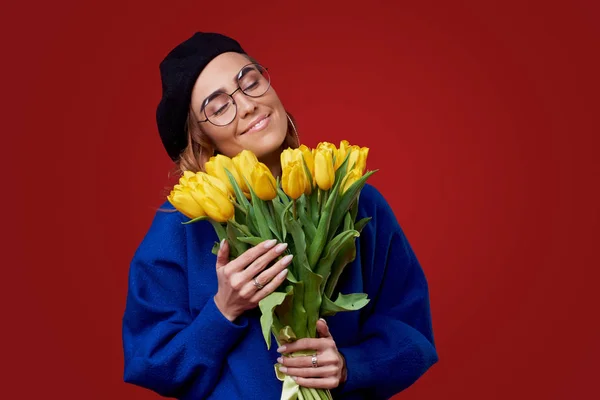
(206, 101)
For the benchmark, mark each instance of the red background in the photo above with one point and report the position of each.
(481, 116)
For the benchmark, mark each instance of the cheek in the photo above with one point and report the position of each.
(221, 137)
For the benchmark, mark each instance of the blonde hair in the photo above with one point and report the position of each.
(200, 148)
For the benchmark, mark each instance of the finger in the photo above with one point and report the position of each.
(321, 372)
(264, 280)
(322, 328)
(269, 287)
(306, 361)
(265, 277)
(318, 383)
(223, 254)
(304, 344)
(251, 254)
(261, 263)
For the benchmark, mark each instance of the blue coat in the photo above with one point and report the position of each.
(178, 344)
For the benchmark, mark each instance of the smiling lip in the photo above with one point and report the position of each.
(258, 124)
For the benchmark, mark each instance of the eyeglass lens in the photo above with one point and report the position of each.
(253, 80)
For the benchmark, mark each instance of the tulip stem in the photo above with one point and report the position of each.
(294, 208)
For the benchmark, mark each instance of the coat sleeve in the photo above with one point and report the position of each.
(165, 348)
(395, 345)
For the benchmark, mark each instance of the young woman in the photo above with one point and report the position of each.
(191, 327)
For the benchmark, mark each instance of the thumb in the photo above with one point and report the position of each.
(223, 254)
(322, 328)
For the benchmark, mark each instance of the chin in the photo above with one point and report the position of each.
(268, 142)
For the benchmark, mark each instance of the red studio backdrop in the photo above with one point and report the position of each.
(481, 117)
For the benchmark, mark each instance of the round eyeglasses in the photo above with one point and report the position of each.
(220, 108)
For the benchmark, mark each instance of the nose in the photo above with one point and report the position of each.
(245, 104)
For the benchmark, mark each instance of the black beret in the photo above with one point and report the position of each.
(179, 71)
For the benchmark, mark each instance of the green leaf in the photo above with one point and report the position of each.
(219, 230)
(259, 216)
(251, 240)
(284, 214)
(314, 207)
(282, 196)
(300, 259)
(202, 218)
(299, 316)
(312, 299)
(317, 245)
(346, 200)
(237, 247)
(345, 255)
(285, 314)
(337, 245)
(348, 222)
(344, 302)
(278, 209)
(242, 228)
(267, 308)
(361, 223)
(251, 222)
(215, 248)
(241, 214)
(239, 195)
(309, 228)
(270, 214)
(354, 208)
(340, 173)
(307, 172)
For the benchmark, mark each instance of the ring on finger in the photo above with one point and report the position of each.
(314, 361)
(257, 284)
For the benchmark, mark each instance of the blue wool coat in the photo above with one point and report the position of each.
(178, 344)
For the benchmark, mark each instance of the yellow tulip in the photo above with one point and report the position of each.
(341, 153)
(293, 179)
(288, 155)
(299, 156)
(263, 183)
(356, 159)
(361, 163)
(216, 167)
(324, 169)
(350, 178)
(308, 158)
(181, 198)
(185, 179)
(244, 164)
(211, 193)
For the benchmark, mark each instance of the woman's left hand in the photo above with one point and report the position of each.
(330, 369)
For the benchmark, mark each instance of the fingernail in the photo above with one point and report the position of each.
(294, 378)
(280, 360)
(283, 369)
(286, 260)
(283, 273)
(323, 320)
(222, 243)
(281, 247)
(270, 243)
(281, 349)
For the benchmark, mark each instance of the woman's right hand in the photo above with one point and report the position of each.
(237, 289)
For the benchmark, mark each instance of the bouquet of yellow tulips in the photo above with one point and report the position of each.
(313, 208)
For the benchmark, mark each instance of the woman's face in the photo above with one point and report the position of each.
(260, 123)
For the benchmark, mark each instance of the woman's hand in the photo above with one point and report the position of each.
(238, 290)
(330, 369)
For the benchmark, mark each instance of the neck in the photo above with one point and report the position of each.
(273, 161)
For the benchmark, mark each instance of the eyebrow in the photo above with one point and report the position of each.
(245, 69)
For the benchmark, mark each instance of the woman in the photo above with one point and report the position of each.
(191, 328)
